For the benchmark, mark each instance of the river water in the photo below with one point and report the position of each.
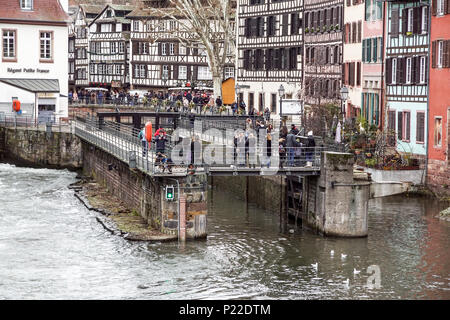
(52, 247)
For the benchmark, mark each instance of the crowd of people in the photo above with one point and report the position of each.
(292, 150)
(181, 100)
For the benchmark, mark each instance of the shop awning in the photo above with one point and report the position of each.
(34, 85)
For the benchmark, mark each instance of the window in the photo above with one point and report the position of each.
(162, 26)
(121, 47)
(26, 4)
(394, 70)
(171, 49)
(438, 131)
(408, 70)
(163, 49)
(204, 73)
(92, 69)
(420, 127)
(273, 102)
(9, 44)
(172, 25)
(118, 69)
(410, 20)
(136, 26)
(229, 72)
(440, 7)
(105, 27)
(182, 72)
(406, 126)
(251, 100)
(46, 45)
(391, 128)
(423, 66)
(440, 53)
(424, 26)
(113, 47)
(182, 50)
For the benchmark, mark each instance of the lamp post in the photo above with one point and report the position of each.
(281, 92)
(238, 93)
(344, 97)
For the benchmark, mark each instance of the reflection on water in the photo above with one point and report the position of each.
(51, 247)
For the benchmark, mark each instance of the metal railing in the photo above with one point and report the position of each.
(13, 120)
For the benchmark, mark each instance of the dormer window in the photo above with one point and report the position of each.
(26, 4)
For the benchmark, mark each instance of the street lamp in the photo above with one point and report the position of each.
(281, 92)
(344, 97)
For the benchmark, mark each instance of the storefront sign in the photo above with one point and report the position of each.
(27, 70)
(46, 95)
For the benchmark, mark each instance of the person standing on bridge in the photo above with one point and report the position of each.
(143, 141)
(290, 145)
(160, 140)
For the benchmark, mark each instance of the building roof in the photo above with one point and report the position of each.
(49, 11)
(115, 7)
(34, 85)
(92, 8)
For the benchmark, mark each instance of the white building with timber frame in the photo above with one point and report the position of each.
(270, 51)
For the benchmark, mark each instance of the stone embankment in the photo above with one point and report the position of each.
(114, 215)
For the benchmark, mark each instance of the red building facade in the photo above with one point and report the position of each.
(438, 175)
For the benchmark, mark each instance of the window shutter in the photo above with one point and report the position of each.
(446, 6)
(417, 15)
(408, 125)
(377, 109)
(415, 70)
(354, 32)
(420, 127)
(399, 70)
(404, 20)
(345, 69)
(261, 27)
(433, 54)
(388, 70)
(375, 52)
(364, 50)
(362, 103)
(433, 7)
(367, 10)
(358, 73)
(246, 59)
(400, 125)
(359, 31)
(285, 24)
(446, 57)
(189, 72)
(369, 50)
(394, 22)
(175, 72)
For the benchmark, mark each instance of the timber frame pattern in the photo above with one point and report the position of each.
(323, 50)
(270, 40)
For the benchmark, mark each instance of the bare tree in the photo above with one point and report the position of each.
(211, 25)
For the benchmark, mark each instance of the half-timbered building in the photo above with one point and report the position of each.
(270, 51)
(353, 18)
(163, 55)
(71, 46)
(406, 54)
(109, 47)
(323, 51)
(84, 16)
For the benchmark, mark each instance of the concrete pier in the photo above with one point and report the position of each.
(335, 203)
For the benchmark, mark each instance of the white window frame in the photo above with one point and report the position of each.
(440, 7)
(182, 72)
(439, 144)
(423, 69)
(408, 70)
(409, 25)
(45, 38)
(171, 49)
(394, 71)
(162, 26)
(182, 50)
(118, 69)
(229, 72)
(136, 71)
(440, 53)
(8, 39)
(204, 73)
(121, 47)
(142, 71)
(424, 25)
(26, 4)
(92, 68)
(163, 49)
(136, 26)
(113, 47)
(165, 71)
(144, 48)
(172, 25)
(106, 27)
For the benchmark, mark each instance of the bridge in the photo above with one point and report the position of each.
(121, 140)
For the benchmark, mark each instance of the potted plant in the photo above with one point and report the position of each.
(306, 30)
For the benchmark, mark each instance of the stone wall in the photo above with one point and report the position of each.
(35, 148)
(267, 192)
(146, 194)
(438, 177)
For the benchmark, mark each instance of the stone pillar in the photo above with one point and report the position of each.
(182, 219)
(337, 204)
